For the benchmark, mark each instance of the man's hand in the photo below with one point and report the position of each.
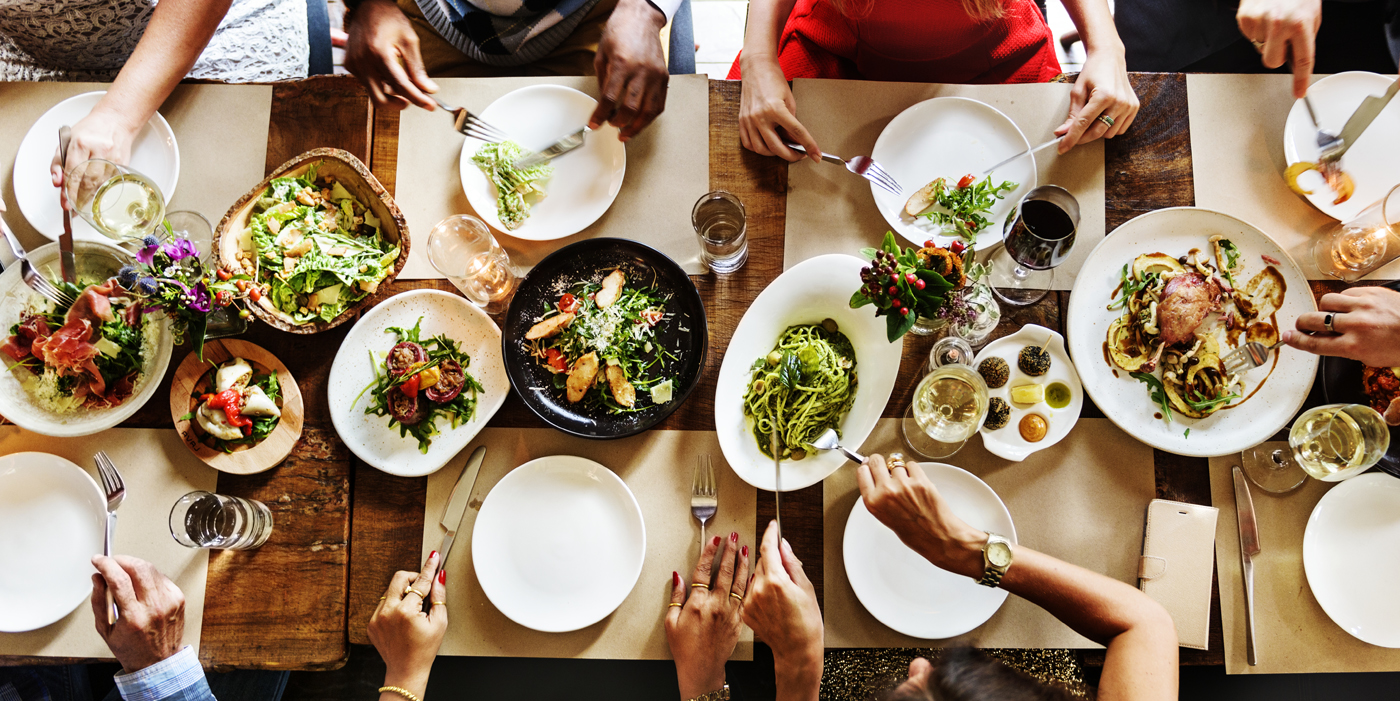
(1283, 30)
(631, 69)
(152, 620)
(1365, 323)
(382, 51)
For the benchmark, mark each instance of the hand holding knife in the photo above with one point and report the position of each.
(454, 516)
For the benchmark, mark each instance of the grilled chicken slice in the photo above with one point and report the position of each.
(1186, 302)
(549, 327)
(582, 376)
(612, 289)
(622, 390)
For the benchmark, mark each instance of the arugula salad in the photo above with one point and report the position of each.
(316, 249)
(418, 382)
(959, 208)
(513, 184)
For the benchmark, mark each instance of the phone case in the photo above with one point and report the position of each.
(1178, 558)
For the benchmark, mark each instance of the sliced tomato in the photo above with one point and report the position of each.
(966, 180)
(653, 315)
(555, 359)
(410, 386)
(568, 303)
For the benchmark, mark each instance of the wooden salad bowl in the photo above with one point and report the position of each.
(356, 178)
(245, 460)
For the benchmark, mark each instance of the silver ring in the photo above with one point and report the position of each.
(1258, 45)
(1327, 322)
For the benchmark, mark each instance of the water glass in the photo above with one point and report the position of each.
(219, 522)
(722, 228)
(1356, 248)
(462, 248)
(117, 201)
(1036, 240)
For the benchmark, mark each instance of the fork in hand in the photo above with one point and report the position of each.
(864, 166)
(470, 124)
(115, 488)
(704, 494)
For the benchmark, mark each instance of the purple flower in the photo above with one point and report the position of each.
(197, 298)
(147, 254)
(179, 249)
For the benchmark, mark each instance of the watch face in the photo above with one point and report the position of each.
(999, 554)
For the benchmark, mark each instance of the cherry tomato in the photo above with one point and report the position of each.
(651, 316)
(555, 358)
(223, 274)
(410, 386)
(957, 247)
(568, 303)
(255, 294)
(930, 244)
(966, 180)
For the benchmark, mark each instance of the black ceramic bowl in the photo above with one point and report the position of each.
(1341, 384)
(685, 334)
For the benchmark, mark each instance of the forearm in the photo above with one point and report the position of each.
(798, 680)
(765, 26)
(1095, 24)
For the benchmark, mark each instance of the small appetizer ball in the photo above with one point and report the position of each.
(1034, 360)
(995, 371)
(998, 413)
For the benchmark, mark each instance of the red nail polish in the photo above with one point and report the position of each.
(734, 537)
(432, 554)
(744, 551)
(676, 578)
(716, 540)
(442, 577)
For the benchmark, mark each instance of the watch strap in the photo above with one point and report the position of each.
(991, 574)
(720, 694)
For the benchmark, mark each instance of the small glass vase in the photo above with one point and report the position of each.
(926, 326)
(983, 302)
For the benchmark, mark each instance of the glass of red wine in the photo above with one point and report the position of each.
(1037, 238)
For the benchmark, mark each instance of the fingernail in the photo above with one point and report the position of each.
(442, 577)
(734, 537)
(716, 540)
(676, 579)
(432, 554)
(744, 551)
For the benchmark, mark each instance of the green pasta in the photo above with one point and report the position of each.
(802, 388)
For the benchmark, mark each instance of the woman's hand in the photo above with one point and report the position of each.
(104, 134)
(1102, 89)
(781, 608)
(382, 51)
(151, 623)
(405, 637)
(702, 622)
(768, 114)
(903, 498)
(1282, 31)
(1365, 323)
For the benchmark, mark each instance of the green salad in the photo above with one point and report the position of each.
(512, 184)
(418, 382)
(317, 249)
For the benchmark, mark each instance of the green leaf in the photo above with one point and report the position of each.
(859, 300)
(869, 253)
(897, 324)
(890, 244)
(198, 324)
(790, 371)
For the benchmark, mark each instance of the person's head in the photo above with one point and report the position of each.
(964, 674)
(982, 10)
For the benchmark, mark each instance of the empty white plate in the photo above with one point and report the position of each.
(1370, 161)
(52, 517)
(906, 592)
(153, 154)
(1351, 555)
(559, 543)
(950, 137)
(585, 181)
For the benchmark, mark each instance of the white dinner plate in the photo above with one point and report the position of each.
(559, 543)
(1370, 161)
(906, 592)
(1355, 527)
(154, 154)
(52, 517)
(815, 289)
(950, 137)
(1006, 442)
(1125, 400)
(368, 436)
(585, 181)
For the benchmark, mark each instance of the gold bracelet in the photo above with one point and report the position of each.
(720, 694)
(401, 692)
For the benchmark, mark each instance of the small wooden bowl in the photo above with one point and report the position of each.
(361, 183)
(244, 460)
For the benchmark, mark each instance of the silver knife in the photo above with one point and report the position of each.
(1249, 547)
(1027, 152)
(65, 241)
(555, 150)
(1360, 119)
(777, 481)
(455, 514)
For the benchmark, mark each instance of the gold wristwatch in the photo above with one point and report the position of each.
(996, 560)
(720, 694)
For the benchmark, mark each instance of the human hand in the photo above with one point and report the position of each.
(766, 106)
(1283, 30)
(904, 499)
(104, 133)
(702, 623)
(1366, 324)
(1103, 89)
(781, 608)
(405, 637)
(152, 621)
(381, 49)
(631, 69)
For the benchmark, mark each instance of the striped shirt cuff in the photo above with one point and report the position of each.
(163, 679)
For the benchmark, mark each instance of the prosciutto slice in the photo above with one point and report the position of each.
(18, 346)
(70, 349)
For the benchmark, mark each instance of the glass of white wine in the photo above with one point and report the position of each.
(119, 202)
(1331, 443)
(949, 406)
(462, 248)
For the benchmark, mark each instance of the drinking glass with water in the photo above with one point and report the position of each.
(720, 224)
(219, 522)
(462, 248)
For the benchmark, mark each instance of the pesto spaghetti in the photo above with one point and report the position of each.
(802, 388)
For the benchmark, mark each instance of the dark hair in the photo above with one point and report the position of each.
(966, 674)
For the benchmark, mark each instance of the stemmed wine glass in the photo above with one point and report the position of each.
(1038, 238)
(117, 201)
(1354, 249)
(1329, 443)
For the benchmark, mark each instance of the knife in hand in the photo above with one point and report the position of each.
(1370, 108)
(65, 241)
(564, 145)
(455, 514)
(1249, 547)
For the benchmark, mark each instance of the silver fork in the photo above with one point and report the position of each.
(1249, 356)
(115, 488)
(471, 125)
(864, 166)
(37, 281)
(704, 494)
(1328, 141)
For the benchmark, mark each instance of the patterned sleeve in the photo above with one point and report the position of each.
(176, 678)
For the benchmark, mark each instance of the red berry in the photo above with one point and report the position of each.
(957, 247)
(919, 284)
(894, 277)
(896, 304)
(894, 290)
(905, 311)
(910, 277)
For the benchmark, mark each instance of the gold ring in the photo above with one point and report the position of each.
(895, 461)
(383, 598)
(736, 596)
(1106, 119)
(674, 604)
(440, 603)
(410, 588)
(1257, 44)
(706, 587)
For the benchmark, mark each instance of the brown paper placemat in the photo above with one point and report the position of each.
(1237, 161)
(221, 131)
(668, 169)
(831, 210)
(1294, 633)
(657, 467)
(1083, 500)
(158, 470)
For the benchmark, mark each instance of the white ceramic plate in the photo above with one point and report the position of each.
(906, 592)
(368, 436)
(815, 289)
(949, 137)
(1125, 400)
(53, 517)
(1006, 441)
(1370, 161)
(585, 181)
(154, 154)
(1357, 524)
(559, 543)
(96, 260)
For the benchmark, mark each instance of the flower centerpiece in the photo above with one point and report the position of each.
(170, 278)
(911, 287)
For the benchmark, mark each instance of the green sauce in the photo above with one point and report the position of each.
(1057, 395)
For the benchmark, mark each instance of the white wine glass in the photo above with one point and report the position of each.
(949, 406)
(1330, 443)
(118, 202)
